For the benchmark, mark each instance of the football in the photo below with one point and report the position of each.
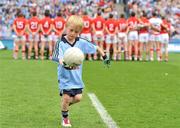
(73, 56)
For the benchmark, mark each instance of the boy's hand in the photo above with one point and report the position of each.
(66, 66)
(106, 61)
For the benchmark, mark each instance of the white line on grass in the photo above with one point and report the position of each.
(102, 111)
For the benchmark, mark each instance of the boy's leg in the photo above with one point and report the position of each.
(66, 99)
(77, 98)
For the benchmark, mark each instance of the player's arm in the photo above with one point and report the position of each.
(54, 28)
(154, 28)
(14, 28)
(106, 29)
(165, 27)
(104, 56)
(25, 28)
(41, 27)
(116, 30)
(50, 29)
(29, 29)
(93, 27)
(38, 28)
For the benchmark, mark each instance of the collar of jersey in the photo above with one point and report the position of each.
(65, 41)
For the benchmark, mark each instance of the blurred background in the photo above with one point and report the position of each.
(9, 8)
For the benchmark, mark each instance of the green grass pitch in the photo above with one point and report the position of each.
(135, 94)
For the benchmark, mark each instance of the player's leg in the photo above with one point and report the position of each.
(23, 47)
(36, 40)
(158, 50)
(114, 43)
(119, 45)
(30, 46)
(36, 49)
(141, 46)
(108, 45)
(151, 47)
(146, 46)
(136, 42)
(147, 50)
(43, 42)
(16, 48)
(50, 49)
(66, 99)
(129, 50)
(166, 51)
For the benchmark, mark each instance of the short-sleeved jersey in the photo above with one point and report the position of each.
(87, 24)
(20, 24)
(99, 23)
(122, 25)
(156, 23)
(59, 24)
(46, 25)
(165, 23)
(133, 23)
(71, 79)
(144, 21)
(111, 25)
(33, 24)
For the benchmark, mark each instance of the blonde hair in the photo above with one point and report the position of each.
(75, 20)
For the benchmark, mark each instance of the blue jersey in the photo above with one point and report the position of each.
(71, 79)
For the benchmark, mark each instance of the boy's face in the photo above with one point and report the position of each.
(72, 32)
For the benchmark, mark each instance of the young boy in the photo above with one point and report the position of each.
(70, 78)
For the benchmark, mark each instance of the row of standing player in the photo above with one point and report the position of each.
(132, 33)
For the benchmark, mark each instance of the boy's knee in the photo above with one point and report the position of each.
(78, 98)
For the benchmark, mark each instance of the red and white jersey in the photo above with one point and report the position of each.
(111, 25)
(144, 21)
(46, 25)
(99, 23)
(122, 25)
(87, 24)
(156, 23)
(133, 23)
(20, 24)
(59, 24)
(33, 24)
(165, 23)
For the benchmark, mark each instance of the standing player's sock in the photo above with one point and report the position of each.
(64, 114)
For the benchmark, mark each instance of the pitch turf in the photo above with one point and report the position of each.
(135, 94)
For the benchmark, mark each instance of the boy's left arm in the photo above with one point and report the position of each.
(104, 56)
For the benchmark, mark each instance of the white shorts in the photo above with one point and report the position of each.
(98, 36)
(55, 38)
(35, 38)
(19, 38)
(111, 38)
(87, 36)
(165, 38)
(122, 37)
(133, 36)
(143, 37)
(155, 38)
(46, 38)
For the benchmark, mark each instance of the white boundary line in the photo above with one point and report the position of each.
(107, 119)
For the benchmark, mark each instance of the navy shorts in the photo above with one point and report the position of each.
(71, 92)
